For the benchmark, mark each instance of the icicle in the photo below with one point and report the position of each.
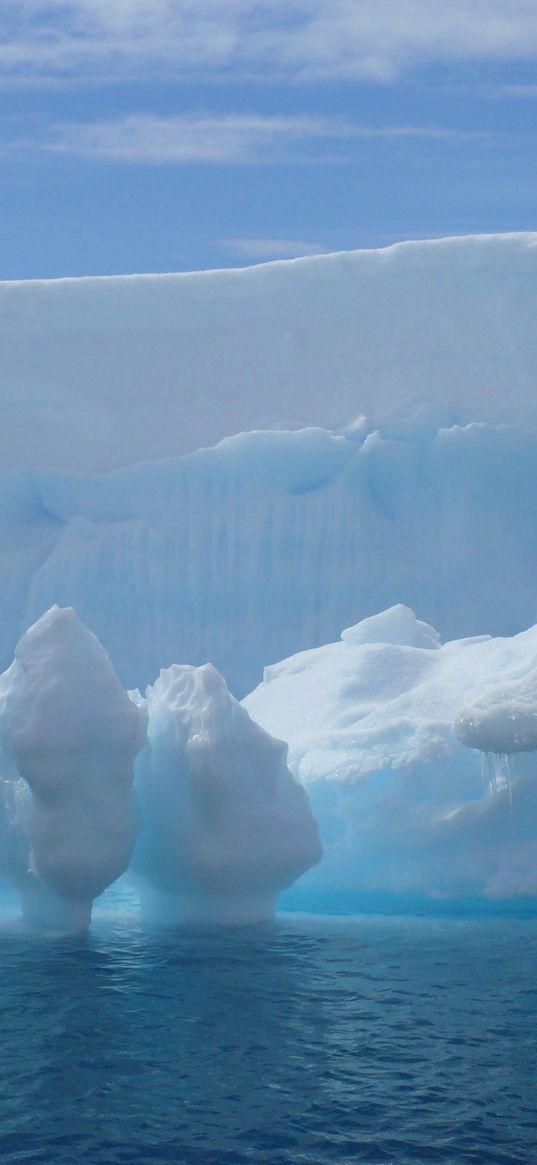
(491, 768)
(507, 763)
(486, 772)
(498, 773)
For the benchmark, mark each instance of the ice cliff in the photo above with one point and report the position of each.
(396, 389)
(100, 373)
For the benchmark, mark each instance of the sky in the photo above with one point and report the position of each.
(169, 135)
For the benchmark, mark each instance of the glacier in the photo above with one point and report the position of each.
(233, 466)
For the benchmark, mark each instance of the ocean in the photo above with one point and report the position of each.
(307, 1041)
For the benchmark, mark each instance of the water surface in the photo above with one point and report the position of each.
(309, 1041)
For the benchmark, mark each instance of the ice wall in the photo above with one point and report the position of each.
(271, 542)
(69, 736)
(99, 373)
(226, 826)
(376, 725)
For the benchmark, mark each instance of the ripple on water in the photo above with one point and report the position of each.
(305, 1042)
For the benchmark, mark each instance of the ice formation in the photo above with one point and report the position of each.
(70, 735)
(226, 827)
(377, 726)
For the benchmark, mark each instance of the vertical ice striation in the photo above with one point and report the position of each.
(270, 543)
(226, 825)
(71, 734)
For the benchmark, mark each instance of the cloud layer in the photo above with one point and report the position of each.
(110, 40)
(227, 139)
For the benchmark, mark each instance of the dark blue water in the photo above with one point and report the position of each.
(303, 1043)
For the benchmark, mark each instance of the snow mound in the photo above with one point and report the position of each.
(397, 625)
(226, 825)
(71, 735)
(377, 732)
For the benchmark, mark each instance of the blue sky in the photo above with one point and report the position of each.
(161, 135)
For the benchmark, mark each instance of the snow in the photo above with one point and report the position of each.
(502, 726)
(98, 373)
(226, 827)
(397, 625)
(376, 726)
(70, 735)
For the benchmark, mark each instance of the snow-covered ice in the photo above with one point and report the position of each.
(505, 724)
(226, 826)
(70, 734)
(377, 726)
(98, 373)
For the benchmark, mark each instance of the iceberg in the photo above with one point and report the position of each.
(233, 466)
(226, 826)
(387, 730)
(69, 736)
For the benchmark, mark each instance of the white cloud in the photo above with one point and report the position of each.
(375, 39)
(240, 139)
(227, 138)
